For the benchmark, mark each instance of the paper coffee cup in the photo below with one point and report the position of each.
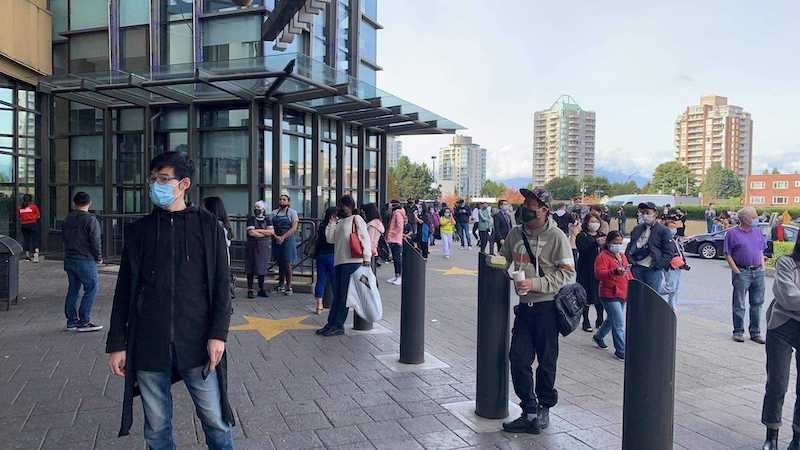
(518, 275)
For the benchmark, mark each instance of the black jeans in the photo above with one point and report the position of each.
(30, 237)
(341, 283)
(483, 239)
(397, 258)
(534, 335)
(780, 342)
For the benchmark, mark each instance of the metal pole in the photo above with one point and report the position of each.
(412, 306)
(649, 401)
(491, 385)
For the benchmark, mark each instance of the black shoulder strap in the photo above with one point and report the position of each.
(527, 246)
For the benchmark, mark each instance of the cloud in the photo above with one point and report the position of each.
(630, 162)
(509, 161)
(684, 78)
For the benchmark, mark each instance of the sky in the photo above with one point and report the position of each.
(490, 65)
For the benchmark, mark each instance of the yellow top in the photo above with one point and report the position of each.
(447, 226)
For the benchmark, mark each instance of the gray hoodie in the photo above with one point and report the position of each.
(551, 248)
(786, 288)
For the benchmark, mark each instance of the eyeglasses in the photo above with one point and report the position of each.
(161, 179)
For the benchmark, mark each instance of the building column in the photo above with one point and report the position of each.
(108, 182)
(316, 134)
(360, 174)
(382, 170)
(43, 181)
(339, 160)
(194, 151)
(252, 166)
(277, 137)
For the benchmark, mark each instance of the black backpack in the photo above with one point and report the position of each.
(570, 299)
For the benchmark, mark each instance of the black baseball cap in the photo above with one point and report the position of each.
(647, 205)
(541, 195)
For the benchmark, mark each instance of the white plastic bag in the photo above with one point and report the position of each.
(363, 295)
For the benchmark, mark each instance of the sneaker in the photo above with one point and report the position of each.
(89, 327)
(279, 288)
(619, 356)
(523, 425)
(36, 257)
(263, 293)
(391, 280)
(758, 340)
(323, 329)
(446, 256)
(543, 416)
(738, 338)
(251, 294)
(332, 331)
(71, 327)
(288, 291)
(600, 343)
(397, 281)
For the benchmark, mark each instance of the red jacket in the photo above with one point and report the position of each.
(612, 285)
(29, 214)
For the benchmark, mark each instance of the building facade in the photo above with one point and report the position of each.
(563, 141)
(267, 97)
(25, 57)
(773, 190)
(714, 132)
(462, 167)
(394, 148)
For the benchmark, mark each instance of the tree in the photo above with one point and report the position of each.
(412, 180)
(563, 188)
(623, 188)
(720, 183)
(595, 185)
(673, 176)
(765, 172)
(776, 172)
(492, 189)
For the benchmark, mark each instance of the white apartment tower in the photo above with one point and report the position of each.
(714, 132)
(462, 164)
(394, 150)
(563, 141)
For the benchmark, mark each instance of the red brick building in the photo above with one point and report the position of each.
(772, 190)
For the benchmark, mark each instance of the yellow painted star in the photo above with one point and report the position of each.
(269, 328)
(458, 271)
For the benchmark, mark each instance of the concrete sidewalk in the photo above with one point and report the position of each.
(292, 389)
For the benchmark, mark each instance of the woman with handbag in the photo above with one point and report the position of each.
(613, 272)
(376, 230)
(323, 253)
(589, 242)
(352, 248)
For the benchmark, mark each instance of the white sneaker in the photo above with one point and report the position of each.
(397, 281)
(391, 280)
(447, 256)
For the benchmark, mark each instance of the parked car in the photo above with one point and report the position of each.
(711, 245)
(635, 199)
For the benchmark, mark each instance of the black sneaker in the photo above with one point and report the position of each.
(251, 294)
(600, 343)
(523, 425)
(89, 327)
(263, 293)
(333, 332)
(543, 416)
(288, 291)
(72, 327)
(323, 329)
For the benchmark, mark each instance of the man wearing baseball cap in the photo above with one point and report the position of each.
(541, 251)
(650, 249)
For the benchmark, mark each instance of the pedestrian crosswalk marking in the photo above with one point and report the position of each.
(269, 328)
(458, 271)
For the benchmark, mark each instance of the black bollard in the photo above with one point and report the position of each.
(491, 385)
(412, 306)
(360, 323)
(649, 403)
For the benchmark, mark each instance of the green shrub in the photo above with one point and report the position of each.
(780, 249)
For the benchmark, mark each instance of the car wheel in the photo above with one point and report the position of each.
(707, 251)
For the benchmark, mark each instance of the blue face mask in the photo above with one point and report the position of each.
(162, 195)
(673, 231)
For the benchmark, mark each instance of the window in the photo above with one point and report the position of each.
(89, 52)
(756, 185)
(797, 200)
(59, 10)
(320, 43)
(90, 14)
(134, 12)
(84, 119)
(370, 8)
(367, 74)
(797, 184)
(230, 5)
(224, 155)
(135, 49)
(234, 37)
(780, 184)
(171, 134)
(176, 32)
(225, 118)
(367, 42)
(780, 200)
(86, 160)
(343, 36)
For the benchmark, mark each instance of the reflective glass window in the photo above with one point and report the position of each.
(90, 14)
(235, 198)
(234, 37)
(6, 169)
(223, 157)
(320, 50)
(177, 9)
(89, 53)
(370, 8)
(230, 5)
(86, 160)
(26, 170)
(135, 49)
(296, 121)
(27, 146)
(60, 61)
(179, 48)
(129, 119)
(59, 8)
(26, 99)
(134, 12)
(343, 36)
(85, 119)
(367, 42)
(266, 170)
(224, 118)
(6, 121)
(172, 119)
(26, 123)
(367, 74)
(292, 160)
(128, 158)
(176, 141)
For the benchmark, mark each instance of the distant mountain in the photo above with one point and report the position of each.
(516, 183)
(613, 177)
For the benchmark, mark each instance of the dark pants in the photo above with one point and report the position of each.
(483, 239)
(747, 284)
(780, 342)
(423, 247)
(30, 237)
(463, 234)
(622, 226)
(80, 272)
(250, 280)
(397, 258)
(341, 281)
(534, 335)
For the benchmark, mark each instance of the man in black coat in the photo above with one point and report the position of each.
(650, 249)
(502, 224)
(171, 311)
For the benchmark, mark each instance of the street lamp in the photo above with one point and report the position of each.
(433, 167)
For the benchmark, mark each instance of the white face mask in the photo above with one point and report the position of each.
(616, 248)
(594, 226)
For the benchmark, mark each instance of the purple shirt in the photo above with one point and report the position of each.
(745, 247)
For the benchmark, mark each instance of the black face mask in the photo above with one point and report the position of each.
(528, 214)
(340, 213)
(258, 212)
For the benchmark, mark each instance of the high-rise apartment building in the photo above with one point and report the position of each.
(563, 141)
(394, 150)
(462, 164)
(714, 132)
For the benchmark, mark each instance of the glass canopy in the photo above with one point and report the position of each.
(290, 79)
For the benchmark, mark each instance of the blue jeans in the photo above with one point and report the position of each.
(615, 322)
(80, 272)
(752, 282)
(463, 234)
(649, 276)
(672, 285)
(324, 274)
(157, 402)
(341, 282)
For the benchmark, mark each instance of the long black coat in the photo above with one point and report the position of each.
(587, 253)
(124, 325)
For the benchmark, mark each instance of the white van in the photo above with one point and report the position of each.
(635, 199)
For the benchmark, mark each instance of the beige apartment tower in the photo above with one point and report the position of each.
(712, 132)
(563, 141)
(462, 167)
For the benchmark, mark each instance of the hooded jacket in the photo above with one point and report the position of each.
(552, 252)
(145, 309)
